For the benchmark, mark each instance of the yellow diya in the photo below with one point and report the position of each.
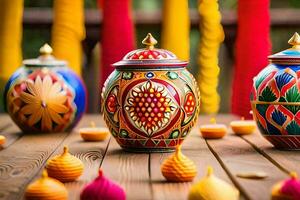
(178, 167)
(213, 130)
(94, 133)
(2, 139)
(212, 188)
(243, 127)
(64, 167)
(46, 188)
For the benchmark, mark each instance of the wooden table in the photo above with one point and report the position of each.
(23, 157)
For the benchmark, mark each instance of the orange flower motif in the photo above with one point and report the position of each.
(44, 102)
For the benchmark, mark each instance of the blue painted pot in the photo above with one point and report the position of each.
(44, 95)
(275, 98)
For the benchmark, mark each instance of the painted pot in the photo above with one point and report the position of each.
(150, 101)
(275, 98)
(44, 95)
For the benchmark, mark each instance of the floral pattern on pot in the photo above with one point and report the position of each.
(150, 110)
(44, 95)
(41, 102)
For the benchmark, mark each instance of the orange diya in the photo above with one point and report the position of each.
(2, 139)
(178, 167)
(64, 167)
(94, 133)
(46, 188)
(213, 130)
(243, 127)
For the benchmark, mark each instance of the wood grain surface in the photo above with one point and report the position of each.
(130, 170)
(25, 155)
(11, 132)
(195, 148)
(286, 160)
(20, 162)
(237, 156)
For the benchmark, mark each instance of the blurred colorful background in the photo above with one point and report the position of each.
(37, 23)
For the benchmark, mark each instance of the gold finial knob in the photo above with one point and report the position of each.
(46, 49)
(149, 41)
(295, 41)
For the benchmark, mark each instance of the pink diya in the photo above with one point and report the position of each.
(288, 189)
(102, 189)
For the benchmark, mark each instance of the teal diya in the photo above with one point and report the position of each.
(44, 95)
(275, 98)
(150, 101)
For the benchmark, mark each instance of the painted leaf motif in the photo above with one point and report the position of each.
(273, 130)
(283, 79)
(292, 95)
(282, 99)
(262, 108)
(261, 77)
(262, 129)
(293, 128)
(278, 117)
(267, 95)
(293, 109)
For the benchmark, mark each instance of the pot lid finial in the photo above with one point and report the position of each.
(45, 59)
(149, 41)
(289, 56)
(46, 50)
(295, 41)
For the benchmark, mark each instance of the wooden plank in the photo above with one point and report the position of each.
(238, 156)
(130, 170)
(196, 149)
(90, 153)
(11, 132)
(285, 160)
(4, 121)
(20, 162)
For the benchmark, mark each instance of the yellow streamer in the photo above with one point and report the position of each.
(176, 28)
(68, 31)
(11, 12)
(212, 36)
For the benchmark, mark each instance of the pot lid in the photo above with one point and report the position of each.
(45, 59)
(150, 57)
(290, 56)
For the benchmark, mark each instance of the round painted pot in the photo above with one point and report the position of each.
(44, 95)
(275, 98)
(150, 101)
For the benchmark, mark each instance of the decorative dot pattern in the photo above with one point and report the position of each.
(150, 107)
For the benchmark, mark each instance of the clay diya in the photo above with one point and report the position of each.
(102, 188)
(46, 188)
(178, 167)
(151, 101)
(64, 167)
(243, 127)
(2, 139)
(213, 130)
(275, 98)
(94, 133)
(45, 95)
(288, 189)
